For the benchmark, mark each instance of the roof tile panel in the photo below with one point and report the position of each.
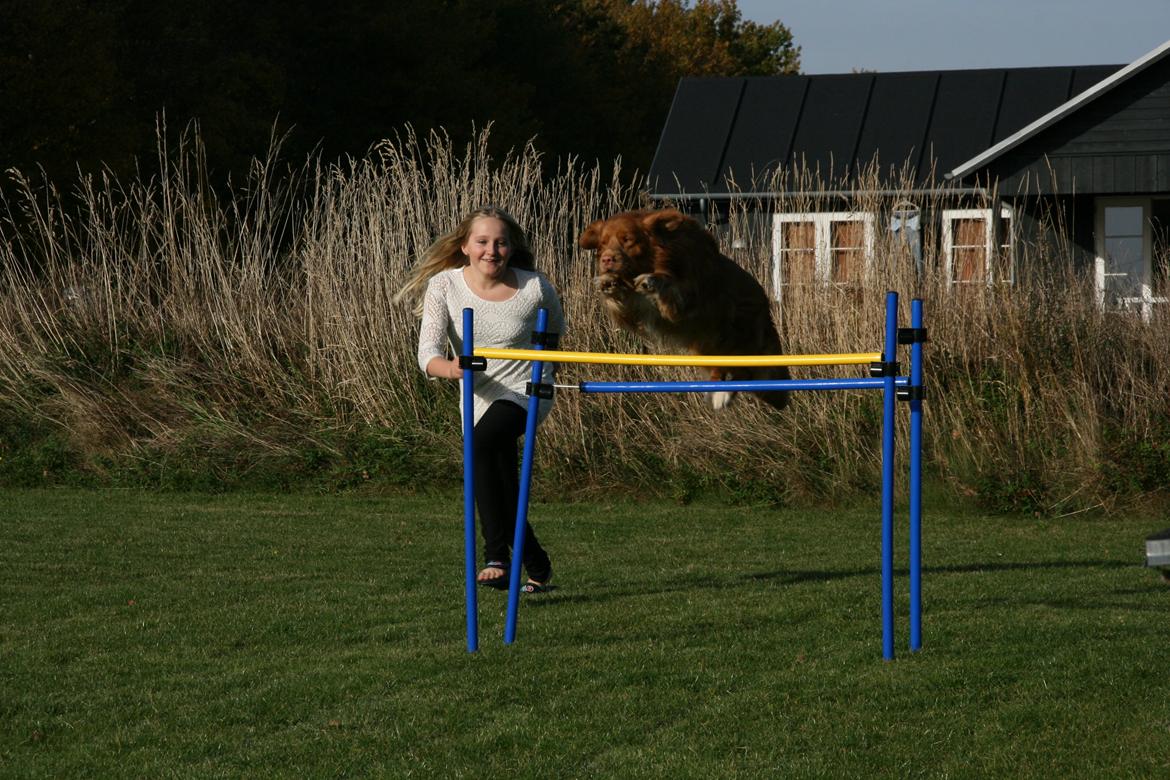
(964, 118)
(897, 120)
(761, 139)
(830, 124)
(692, 143)
(1028, 94)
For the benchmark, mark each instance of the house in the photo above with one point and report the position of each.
(979, 163)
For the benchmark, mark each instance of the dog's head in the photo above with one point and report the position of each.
(625, 244)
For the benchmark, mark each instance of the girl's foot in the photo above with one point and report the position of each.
(494, 575)
(536, 586)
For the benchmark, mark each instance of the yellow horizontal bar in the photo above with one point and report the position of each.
(606, 358)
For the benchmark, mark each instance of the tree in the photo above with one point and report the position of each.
(83, 84)
(59, 84)
(648, 45)
(709, 39)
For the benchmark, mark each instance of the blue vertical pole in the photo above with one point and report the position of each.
(525, 483)
(469, 485)
(889, 399)
(916, 479)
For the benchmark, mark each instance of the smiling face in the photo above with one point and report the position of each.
(488, 247)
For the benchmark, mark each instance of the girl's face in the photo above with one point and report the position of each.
(488, 247)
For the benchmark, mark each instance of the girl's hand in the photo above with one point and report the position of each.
(442, 368)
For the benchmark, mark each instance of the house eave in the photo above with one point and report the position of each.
(1058, 113)
(777, 195)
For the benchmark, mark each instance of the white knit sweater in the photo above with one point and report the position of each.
(500, 324)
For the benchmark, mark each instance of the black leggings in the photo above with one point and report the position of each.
(497, 487)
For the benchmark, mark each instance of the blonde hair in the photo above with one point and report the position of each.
(447, 252)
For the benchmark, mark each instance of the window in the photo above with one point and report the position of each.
(978, 249)
(1160, 225)
(1127, 276)
(798, 253)
(821, 248)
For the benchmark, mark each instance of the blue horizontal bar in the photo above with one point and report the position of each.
(740, 385)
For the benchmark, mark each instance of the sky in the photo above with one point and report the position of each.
(838, 36)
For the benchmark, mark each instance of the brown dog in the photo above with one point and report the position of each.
(662, 277)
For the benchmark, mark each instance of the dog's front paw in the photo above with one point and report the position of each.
(721, 400)
(649, 284)
(608, 284)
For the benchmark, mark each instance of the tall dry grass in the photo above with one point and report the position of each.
(162, 324)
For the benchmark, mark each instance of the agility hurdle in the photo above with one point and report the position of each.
(884, 371)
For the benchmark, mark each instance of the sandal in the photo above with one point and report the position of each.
(499, 582)
(533, 586)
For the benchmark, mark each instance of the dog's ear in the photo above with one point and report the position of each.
(664, 221)
(591, 238)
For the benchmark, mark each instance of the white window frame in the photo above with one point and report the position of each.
(991, 248)
(1144, 302)
(823, 232)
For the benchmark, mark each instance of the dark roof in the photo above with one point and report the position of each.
(933, 121)
(1030, 129)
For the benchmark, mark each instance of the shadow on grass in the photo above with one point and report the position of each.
(799, 577)
(796, 576)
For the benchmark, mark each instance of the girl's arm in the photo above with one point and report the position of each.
(432, 334)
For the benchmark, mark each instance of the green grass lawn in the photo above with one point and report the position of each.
(150, 635)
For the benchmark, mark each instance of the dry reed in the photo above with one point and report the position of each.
(260, 323)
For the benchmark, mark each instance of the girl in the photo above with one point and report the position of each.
(485, 264)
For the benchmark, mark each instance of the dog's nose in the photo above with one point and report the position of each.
(606, 262)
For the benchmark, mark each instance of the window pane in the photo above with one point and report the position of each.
(1124, 256)
(1119, 286)
(1123, 220)
(846, 254)
(848, 235)
(798, 259)
(1002, 270)
(800, 235)
(847, 265)
(970, 232)
(968, 264)
(1002, 266)
(798, 267)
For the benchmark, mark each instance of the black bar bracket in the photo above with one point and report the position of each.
(912, 336)
(473, 362)
(883, 369)
(540, 391)
(914, 393)
(546, 340)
